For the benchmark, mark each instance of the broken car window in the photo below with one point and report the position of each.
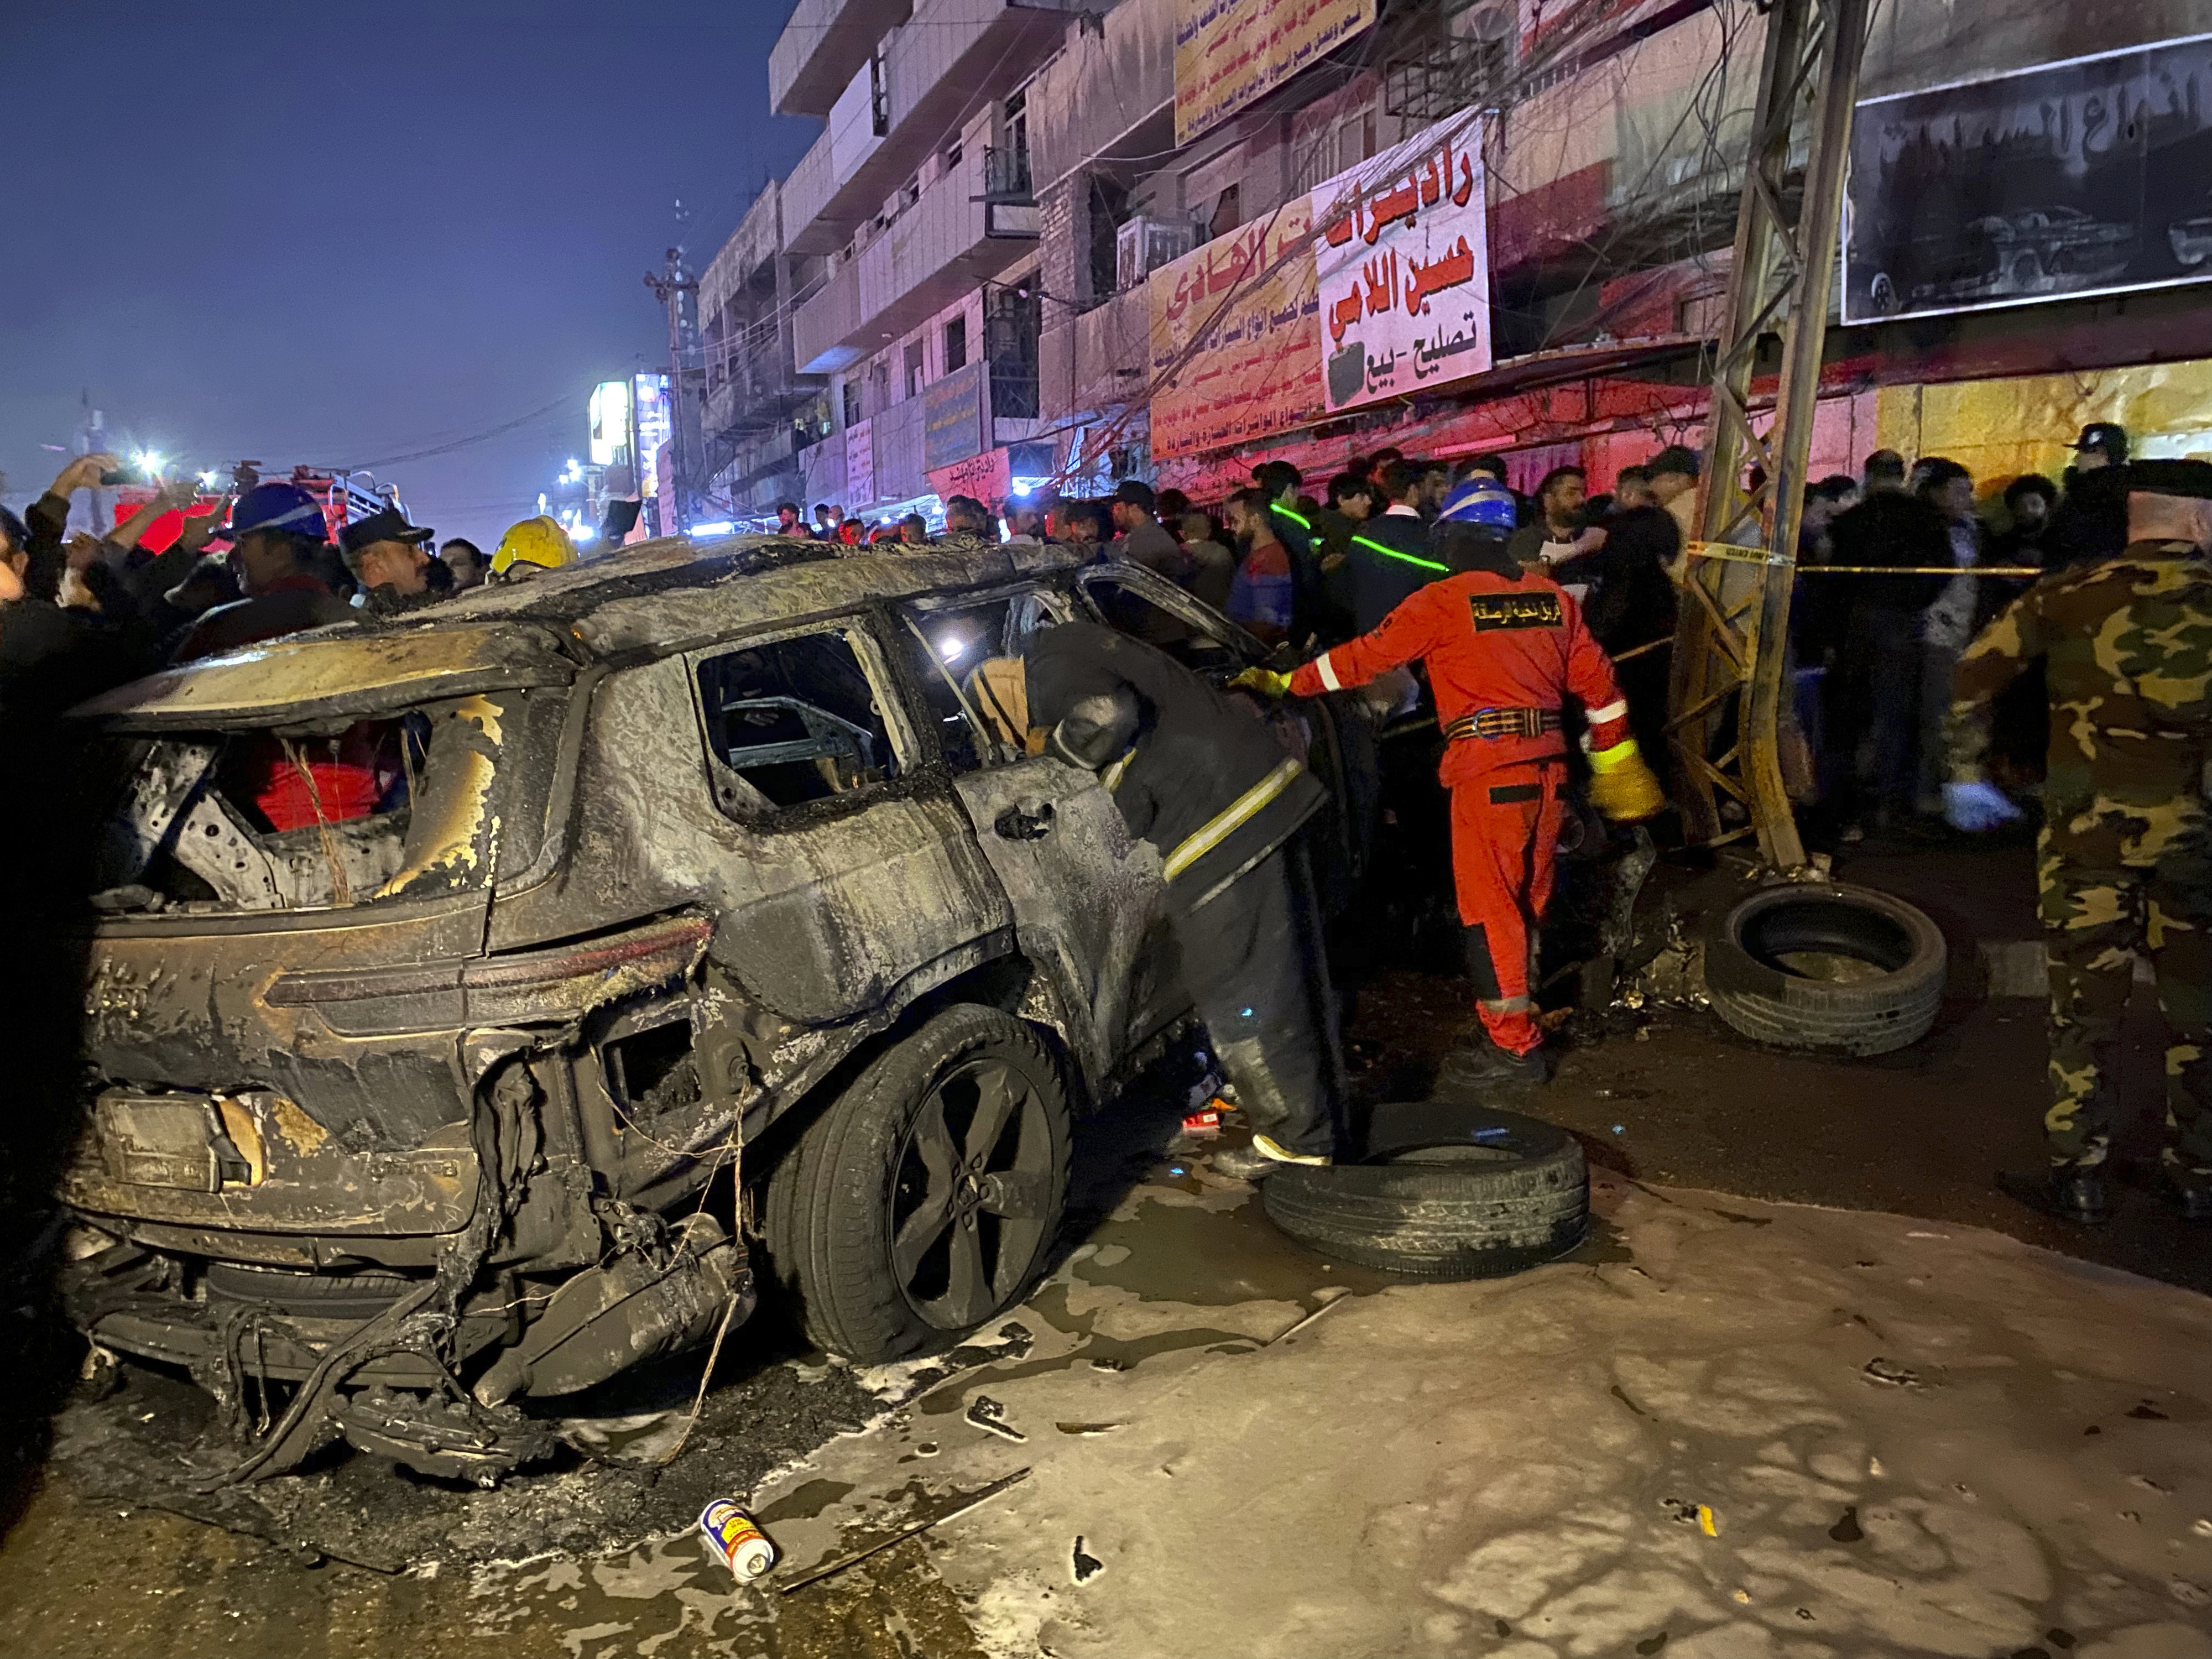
(948, 651)
(397, 806)
(1122, 605)
(793, 721)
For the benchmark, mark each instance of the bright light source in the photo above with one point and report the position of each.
(1028, 486)
(719, 527)
(147, 461)
(208, 478)
(952, 648)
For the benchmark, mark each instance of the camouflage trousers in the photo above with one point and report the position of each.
(2098, 923)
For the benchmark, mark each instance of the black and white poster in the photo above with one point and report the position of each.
(2090, 176)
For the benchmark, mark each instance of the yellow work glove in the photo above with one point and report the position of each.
(1266, 681)
(1622, 786)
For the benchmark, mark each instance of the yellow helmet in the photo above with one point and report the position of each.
(538, 543)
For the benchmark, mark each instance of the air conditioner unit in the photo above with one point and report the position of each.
(1143, 246)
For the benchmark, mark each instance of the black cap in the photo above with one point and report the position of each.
(389, 525)
(1135, 492)
(2191, 478)
(1675, 458)
(2106, 439)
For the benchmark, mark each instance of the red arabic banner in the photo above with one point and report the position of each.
(1401, 254)
(1244, 307)
(1228, 52)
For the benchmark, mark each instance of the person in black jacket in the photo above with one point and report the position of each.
(1202, 779)
(1882, 658)
(1632, 604)
(2091, 523)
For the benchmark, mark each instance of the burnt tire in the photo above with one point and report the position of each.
(923, 1202)
(1771, 969)
(1444, 1192)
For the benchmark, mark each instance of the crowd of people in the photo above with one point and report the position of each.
(80, 611)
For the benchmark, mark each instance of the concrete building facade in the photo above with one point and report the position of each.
(954, 289)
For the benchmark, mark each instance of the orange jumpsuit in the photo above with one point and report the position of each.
(1502, 656)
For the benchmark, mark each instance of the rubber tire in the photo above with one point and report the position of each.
(826, 1217)
(1875, 1015)
(1519, 1202)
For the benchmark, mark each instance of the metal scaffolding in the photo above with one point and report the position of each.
(1726, 699)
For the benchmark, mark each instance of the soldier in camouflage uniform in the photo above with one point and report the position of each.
(2124, 865)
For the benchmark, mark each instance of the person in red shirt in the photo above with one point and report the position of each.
(1505, 650)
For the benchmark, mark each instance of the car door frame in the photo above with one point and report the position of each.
(1100, 954)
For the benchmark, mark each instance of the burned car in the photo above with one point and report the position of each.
(477, 1002)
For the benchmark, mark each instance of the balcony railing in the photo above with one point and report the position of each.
(1006, 177)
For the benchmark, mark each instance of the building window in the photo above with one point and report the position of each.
(852, 402)
(914, 369)
(956, 345)
(879, 95)
(1012, 317)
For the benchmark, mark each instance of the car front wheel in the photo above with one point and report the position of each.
(921, 1204)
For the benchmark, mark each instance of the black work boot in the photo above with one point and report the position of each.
(1259, 1160)
(2073, 1192)
(2187, 1192)
(1481, 1064)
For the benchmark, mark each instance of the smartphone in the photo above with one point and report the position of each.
(109, 480)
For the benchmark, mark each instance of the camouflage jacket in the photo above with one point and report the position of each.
(2127, 646)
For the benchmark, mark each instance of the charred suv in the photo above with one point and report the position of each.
(473, 1002)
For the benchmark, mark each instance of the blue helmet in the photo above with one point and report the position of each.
(1482, 501)
(284, 506)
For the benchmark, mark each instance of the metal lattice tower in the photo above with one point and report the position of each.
(1725, 707)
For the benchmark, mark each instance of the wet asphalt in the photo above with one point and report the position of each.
(356, 1559)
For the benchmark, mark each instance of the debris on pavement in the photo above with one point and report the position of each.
(1085, 1566)
(977, 1500)
(987, 1413)
(735, 1537)
(1884, 1371)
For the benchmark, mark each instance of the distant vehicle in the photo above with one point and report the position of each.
(343, 497)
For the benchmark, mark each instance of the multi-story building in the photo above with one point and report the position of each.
(988, 263)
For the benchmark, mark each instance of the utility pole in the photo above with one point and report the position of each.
(677, 288)
(1729, 647)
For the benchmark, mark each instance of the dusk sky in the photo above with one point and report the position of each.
(339, 233)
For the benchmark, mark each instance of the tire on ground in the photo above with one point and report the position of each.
(1444, 1192)
(1760, 991)
(838, 1200)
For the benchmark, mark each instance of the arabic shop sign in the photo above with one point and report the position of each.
(1401, 252)
(2056, 182)
(952, 417)
(1244, 306)
(859, 463)
(1228, 52)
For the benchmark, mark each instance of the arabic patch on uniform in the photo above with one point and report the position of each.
(1496, 611)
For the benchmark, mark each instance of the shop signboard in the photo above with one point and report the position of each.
(860, 465)
(952, 417)
(987, 475)
(1228, 52)
(1401, 253)
(1236, 336)
(2089, 176)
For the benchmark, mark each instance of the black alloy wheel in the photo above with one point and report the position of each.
(973, 1204)
(921, 1203)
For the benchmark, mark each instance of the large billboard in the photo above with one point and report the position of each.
(1236, 336)
(2089, 176)
(1228, 52)
(1401, 253)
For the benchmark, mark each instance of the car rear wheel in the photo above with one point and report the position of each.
(920, 1205)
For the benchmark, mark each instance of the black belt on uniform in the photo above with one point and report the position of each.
(1504, 723)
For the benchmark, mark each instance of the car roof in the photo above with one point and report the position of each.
(667, 594)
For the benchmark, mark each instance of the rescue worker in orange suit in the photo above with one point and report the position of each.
(1505, 650)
